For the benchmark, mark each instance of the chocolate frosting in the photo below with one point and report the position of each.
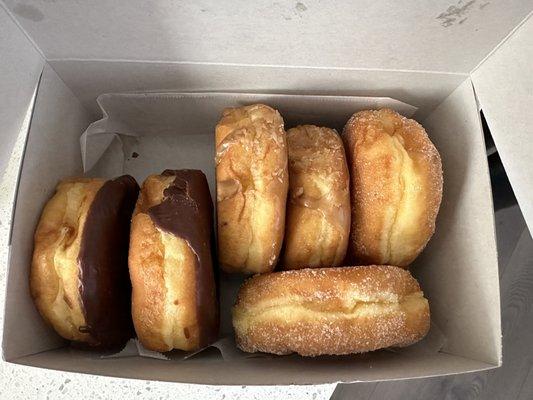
(105, 286)
(187, 212)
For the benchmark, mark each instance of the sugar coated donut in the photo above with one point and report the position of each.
(330, 311)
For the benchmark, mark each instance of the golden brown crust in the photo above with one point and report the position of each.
(396, 177)
(318, 208)
(252, 184)
(330, 311)
(147, 279)
(163, 275)
(54, 274)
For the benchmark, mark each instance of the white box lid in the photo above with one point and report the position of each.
(504, 88)
(437, 35)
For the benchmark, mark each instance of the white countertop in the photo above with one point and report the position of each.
(21, 382)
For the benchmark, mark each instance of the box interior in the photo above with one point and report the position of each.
(89, 78)
(458, 271)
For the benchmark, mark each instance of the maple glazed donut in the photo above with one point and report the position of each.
(174, 300)
(79, 274)
(252, 183)
(319, 311)
(396, 187)
(318, 206)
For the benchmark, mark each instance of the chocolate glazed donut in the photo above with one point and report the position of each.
(79, 273)
(171, 268)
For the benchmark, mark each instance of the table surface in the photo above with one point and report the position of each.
(512, 381)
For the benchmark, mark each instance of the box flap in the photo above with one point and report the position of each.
(504, 88)
(439, 35)
(52, 152)
(20, 68)
(287, 370)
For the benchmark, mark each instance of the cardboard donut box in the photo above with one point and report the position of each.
(449, 60)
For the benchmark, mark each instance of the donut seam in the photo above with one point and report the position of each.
(400, 150)
(341, 310)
